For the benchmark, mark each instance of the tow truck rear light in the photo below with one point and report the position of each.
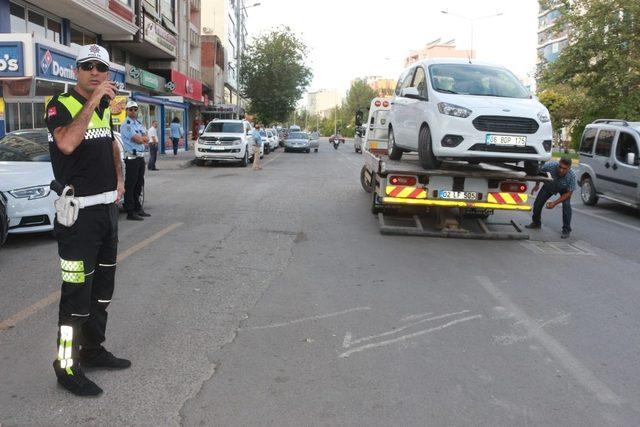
(408, 181)
(513, 187)
(377, 103)
(385, 104)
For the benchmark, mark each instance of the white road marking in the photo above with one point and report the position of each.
(407, 337)
(304, 319)
(395, 331)
(576, 368)
(604, 218)
(414, 316)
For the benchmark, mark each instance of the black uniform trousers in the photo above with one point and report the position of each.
(133, 183)
(88, 252)
(153, 155)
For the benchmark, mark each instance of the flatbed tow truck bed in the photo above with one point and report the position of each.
(454, 200)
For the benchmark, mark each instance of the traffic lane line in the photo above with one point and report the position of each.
(604, 218)
(575, 367)
(13, 320)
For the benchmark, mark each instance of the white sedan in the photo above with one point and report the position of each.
(25, 175)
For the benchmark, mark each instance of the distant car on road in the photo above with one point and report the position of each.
(339, 137)
(225, 141)
(610, 162)
(297, 141)
(25, 175)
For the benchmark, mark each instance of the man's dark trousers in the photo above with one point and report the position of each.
(153, 155)
(88, 251)
(547, 191)
(133, 183)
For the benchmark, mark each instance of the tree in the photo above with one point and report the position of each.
(274, 75)
(565, 106)
(601, 61)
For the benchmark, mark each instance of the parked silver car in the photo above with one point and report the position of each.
(297, 141)
(609, 162)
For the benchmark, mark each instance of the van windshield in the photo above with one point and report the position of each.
(224, 127)
(477, 80)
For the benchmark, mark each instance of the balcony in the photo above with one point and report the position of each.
(194, 36)
(194, 5)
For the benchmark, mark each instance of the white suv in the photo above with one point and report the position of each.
(451, 109)
(225, 141)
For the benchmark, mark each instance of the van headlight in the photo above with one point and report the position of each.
(454, 110)
(543, 116)
(31, 193)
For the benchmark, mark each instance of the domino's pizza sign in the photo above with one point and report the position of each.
(11, 59)
(55, 64)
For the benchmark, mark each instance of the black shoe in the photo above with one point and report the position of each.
(75, 381)
(154, 169)
(533, 226)
(142, 213)
(134, 217)
(102, 358)
(565, 234)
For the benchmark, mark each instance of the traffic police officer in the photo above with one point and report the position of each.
(85, 159)
(134, 136)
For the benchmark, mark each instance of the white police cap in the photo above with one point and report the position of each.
(93, 52)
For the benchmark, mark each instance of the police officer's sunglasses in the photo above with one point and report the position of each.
(133, 109)
(88, 66)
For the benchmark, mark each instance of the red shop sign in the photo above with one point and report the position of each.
(187, 87)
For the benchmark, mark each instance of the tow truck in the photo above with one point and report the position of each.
(455, 200)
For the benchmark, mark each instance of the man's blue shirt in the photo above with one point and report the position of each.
(561, 184)
(257, 138)
(130, 128)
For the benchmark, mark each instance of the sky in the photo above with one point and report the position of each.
(356, 38)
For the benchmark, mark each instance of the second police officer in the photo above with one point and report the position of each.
(134, 138)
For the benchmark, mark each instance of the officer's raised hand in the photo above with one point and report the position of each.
(106, 88)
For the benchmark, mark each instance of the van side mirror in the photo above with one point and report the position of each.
(631, 159)
(411, 92)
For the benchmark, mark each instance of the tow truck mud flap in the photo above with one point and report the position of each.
(443, 225)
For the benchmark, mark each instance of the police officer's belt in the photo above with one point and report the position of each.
(130, 156)
(99, 199)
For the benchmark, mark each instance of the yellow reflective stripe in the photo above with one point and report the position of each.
(453, 203)
(69, 265)
(406, 191)
(65, 355)
(74, 106)
(72, 277)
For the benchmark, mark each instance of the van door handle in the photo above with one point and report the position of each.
(607, 165)
(614, 167)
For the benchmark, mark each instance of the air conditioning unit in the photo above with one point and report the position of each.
(207, 30)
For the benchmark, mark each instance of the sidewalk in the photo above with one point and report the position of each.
(168, 161)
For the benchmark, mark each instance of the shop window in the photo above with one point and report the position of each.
(13, 116)
(18, 23)
(26, 115)
(36, 24)
(38, 115)
(45, 88)
(54, 30)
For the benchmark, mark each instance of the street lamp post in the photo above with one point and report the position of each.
(239, 9)
(471, 22)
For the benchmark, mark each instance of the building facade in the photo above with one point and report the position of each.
(438, 49)
(154, 47)
(551, 40)
(323, 102)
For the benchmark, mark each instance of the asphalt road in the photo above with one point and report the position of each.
(270, 298)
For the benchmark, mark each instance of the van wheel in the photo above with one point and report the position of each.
(199, 162)
(368, 187)
(531, 167)
(425, 150)
(395, 153)
(588, 192)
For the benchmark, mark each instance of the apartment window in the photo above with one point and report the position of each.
(168, 9)
(35, 24)
(126, 2)
(18, 23)
(81, 37)
(54, 30)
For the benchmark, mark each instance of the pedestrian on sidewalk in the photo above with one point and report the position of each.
(85, 158)
(176, 132)
(134, 138)
(152, 133)
(564, 184)
(257, 143)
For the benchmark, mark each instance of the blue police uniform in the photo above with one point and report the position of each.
(130, 128)
(134, 167)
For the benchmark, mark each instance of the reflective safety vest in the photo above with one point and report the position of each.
(97, 128)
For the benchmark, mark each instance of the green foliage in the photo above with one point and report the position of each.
(274, 75)
(597, 74)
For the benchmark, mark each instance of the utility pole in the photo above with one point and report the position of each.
(238, 31)
(335, 121)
